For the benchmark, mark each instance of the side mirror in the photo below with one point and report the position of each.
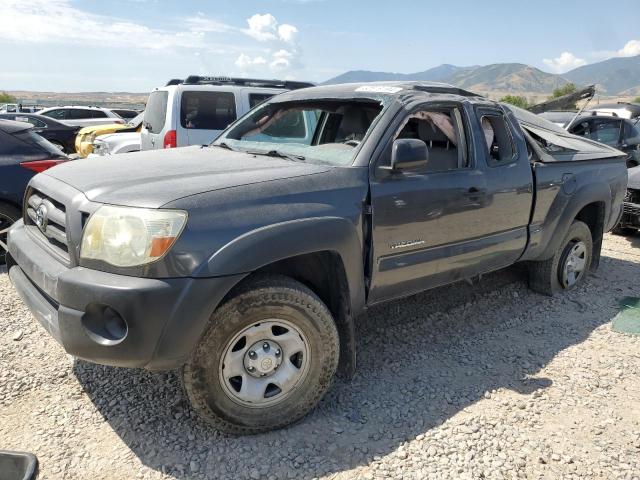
(408, 154)
(18, 466)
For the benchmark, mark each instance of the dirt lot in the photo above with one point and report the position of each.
(490, 381)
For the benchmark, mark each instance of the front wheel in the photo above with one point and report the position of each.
(267, 357)
(569, 265)
(8, 216)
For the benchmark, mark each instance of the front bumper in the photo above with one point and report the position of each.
(630, 215)
(164, 317)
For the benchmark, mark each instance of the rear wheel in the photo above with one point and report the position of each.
(267, 357)
(8, 216)
(569, 265)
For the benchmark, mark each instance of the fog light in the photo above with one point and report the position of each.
(104, 325)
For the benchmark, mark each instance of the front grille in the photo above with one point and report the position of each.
(631, 209)
(54, 228)
(632, 196)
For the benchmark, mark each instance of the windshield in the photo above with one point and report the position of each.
(317, 131)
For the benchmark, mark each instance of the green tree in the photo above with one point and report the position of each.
(516, 100)
(6, 98)
(636, 100)
(564, 90)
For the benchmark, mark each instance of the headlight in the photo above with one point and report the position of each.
(127, 237)
(99, 147)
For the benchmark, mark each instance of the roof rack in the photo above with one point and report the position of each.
(245, 82)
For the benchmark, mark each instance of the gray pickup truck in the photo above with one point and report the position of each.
(244, 263)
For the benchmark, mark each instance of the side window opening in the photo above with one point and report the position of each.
(59, 114)
(499, 144)
(207, 110)
(256, 99)
(443, 132)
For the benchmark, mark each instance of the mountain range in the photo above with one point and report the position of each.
(616, 76)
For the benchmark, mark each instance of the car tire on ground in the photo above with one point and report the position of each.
(8, 216)
(267, 357)
(569, 265)
(625, 231)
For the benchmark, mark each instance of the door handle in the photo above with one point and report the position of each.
(475, 192)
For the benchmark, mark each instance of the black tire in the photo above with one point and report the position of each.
(262, 299)
(624, 231)
(546, 276)
(8, 216)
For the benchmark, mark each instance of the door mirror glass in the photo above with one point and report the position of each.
(409, 154)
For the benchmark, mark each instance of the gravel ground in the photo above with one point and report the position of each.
(490, 381)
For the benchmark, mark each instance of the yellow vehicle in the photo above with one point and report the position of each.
(86, 135)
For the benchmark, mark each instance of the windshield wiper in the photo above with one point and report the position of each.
(277, 154)
(223, 145)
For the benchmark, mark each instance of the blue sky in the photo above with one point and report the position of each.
(136, 45)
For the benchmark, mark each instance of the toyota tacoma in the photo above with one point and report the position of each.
(246, 262)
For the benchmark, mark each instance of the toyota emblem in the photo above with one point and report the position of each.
(42, 217)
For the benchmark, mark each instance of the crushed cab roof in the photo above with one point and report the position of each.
(402, 91)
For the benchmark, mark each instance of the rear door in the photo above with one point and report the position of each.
(154, 123)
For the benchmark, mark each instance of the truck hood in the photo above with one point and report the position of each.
(154, 178)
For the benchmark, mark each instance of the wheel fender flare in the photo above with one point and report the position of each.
(591, 193)
(266, 245)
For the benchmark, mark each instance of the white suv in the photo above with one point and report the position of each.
(82, 116)
(196, 110)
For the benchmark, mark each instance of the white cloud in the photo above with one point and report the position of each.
(262, 27)
(246, 62)
(287, 33)
(282, 60)
(201, 23)
(265, 28)
(631, 49)
(565, 62)
(59, 21)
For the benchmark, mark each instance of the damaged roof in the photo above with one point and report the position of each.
(403, 91)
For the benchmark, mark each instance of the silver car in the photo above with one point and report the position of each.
(82, 116)
(196, 110)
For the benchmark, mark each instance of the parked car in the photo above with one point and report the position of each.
(86, 136)
(630, 221)
(195, 111)
(126, 113)
(18, 108)
(82, 116)
(115, 143)
(628, 110)
(561, 118)
(617, 132)
(23, 153)
(245, 263)
(58, 133)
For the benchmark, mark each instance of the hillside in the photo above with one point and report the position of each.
(616, 76)
(613, 76)
(510, 77)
